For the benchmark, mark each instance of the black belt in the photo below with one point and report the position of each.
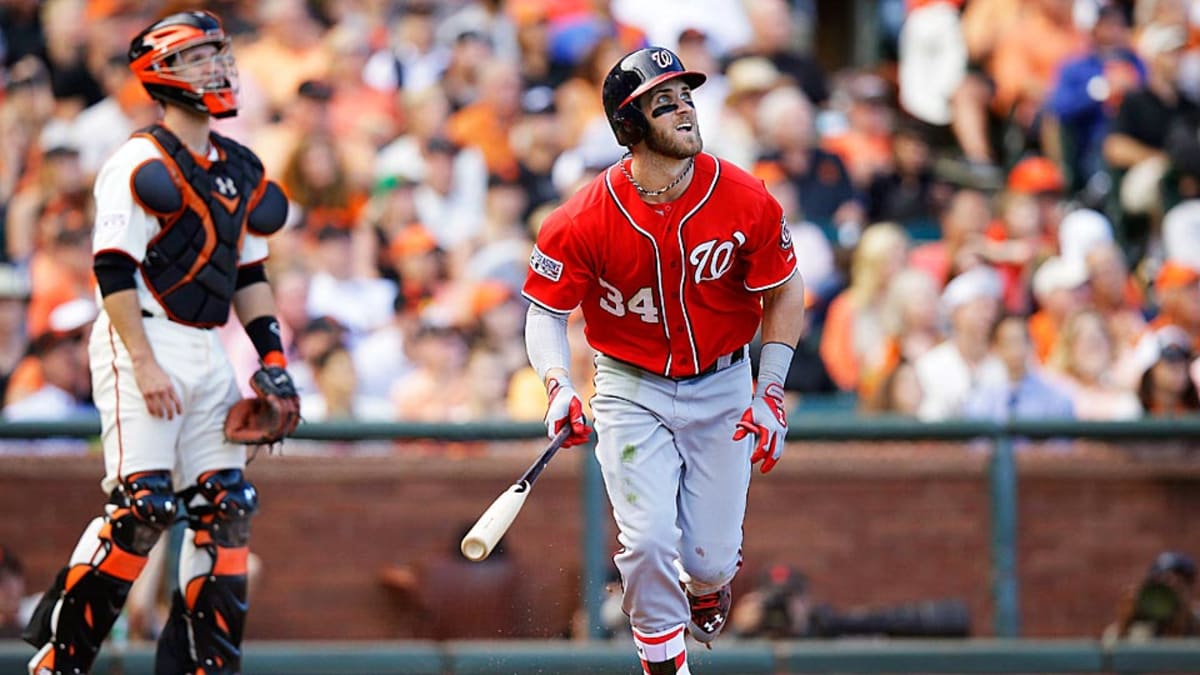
(720, 364)
(147, 314)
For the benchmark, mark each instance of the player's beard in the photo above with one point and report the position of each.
(668, 143)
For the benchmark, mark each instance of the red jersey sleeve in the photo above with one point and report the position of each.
(558, 272)
(772, 259)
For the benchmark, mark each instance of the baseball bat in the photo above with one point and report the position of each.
(498, 517)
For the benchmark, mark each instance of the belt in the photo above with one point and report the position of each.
(723, 361)
(147, 314)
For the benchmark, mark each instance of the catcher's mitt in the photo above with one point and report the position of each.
(268, 417)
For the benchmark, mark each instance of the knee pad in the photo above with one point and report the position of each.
(229, 502)
(140, 508)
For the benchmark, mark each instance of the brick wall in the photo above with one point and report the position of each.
(870, 526)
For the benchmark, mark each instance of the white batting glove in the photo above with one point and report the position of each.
(767, 420)
(566, 408)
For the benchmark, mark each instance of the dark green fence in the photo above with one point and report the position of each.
(727, 658)
(1003, 483)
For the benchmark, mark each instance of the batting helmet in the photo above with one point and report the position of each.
(635, 74)
(207, 86)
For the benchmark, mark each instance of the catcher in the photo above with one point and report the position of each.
(181, 220)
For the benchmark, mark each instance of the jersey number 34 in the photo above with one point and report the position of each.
(641, 304)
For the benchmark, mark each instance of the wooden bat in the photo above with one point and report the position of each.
(498, 517)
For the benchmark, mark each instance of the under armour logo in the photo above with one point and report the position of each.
(226, 186)
(662, 58)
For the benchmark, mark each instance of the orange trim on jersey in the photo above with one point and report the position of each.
(87, 616)
(231, 561)
(122, 564)
(117, 403)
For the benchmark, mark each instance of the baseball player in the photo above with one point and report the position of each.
(181, 216)
(676, 258)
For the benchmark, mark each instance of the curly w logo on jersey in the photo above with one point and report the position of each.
(712, 259)
(545, 265)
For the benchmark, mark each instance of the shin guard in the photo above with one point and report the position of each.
(77, 612)
(203, 635)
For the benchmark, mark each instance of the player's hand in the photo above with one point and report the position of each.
(565, 408)
(767, 420)
(157, 390)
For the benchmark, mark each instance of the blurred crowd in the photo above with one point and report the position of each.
(998, 218)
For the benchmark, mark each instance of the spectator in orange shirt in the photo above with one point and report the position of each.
(963, 223)
(288, 51)
(316, 181)
(1178, 289)
(60, 273)
(853, 339)
(1060, 287)
(866, 146)
(1023, 233)
(486, 123)
(1027, 57)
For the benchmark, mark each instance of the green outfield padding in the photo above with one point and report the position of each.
(519, 657)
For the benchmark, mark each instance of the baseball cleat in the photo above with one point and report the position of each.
(709, 613)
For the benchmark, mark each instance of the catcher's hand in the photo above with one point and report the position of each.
(270, 416)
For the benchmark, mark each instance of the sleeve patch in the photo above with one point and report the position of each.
(111, 229)
(785, 235)
(545, 265)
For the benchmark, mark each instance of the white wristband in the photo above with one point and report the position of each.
(774, 361)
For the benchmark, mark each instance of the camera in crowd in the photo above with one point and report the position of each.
(1163, 599)
(780, 608)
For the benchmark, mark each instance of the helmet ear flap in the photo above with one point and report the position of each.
(630, 126)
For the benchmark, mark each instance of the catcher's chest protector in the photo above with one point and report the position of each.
(191, 265)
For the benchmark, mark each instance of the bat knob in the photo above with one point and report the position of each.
(473, 549)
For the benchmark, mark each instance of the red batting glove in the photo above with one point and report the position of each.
(566, 408)
(767, 420)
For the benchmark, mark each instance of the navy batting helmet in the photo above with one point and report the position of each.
(635, 74)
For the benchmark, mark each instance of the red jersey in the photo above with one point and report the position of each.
(667, 287)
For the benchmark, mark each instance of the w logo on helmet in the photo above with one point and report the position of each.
(662, 58)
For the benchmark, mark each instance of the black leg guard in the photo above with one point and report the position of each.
(207, 638)
(77, 612)
(208, 615)
(85, 615)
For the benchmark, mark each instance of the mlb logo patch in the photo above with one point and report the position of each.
(545, 265)
(785, 235)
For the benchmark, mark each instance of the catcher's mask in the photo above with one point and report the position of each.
(635, 74)
(165, 58)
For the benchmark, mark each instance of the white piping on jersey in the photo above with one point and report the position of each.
(687, 322)
(776, 284)
(544, 306)
(662, 300)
